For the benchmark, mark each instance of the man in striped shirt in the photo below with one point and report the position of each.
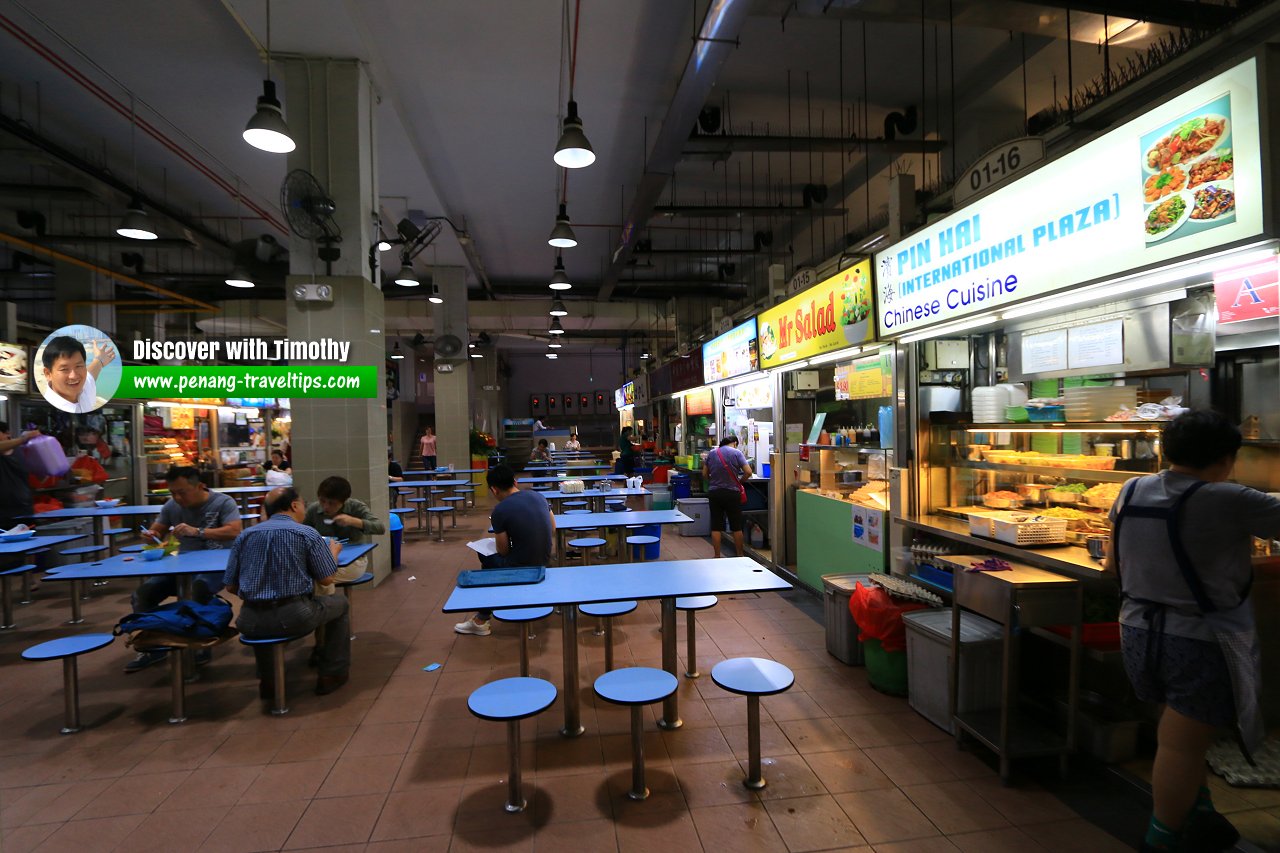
(274, 567)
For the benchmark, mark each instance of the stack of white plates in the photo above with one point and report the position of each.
(989, 404)
(1099, 403)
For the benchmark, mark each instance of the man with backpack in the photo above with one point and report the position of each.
(274, 567)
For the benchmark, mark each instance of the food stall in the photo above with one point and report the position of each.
(1045, 332)
(829, 475)
(726, 357)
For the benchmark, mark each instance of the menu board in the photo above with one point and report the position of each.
(842, 372)
(699, 403)
(628, 394)
(831, 315)
(1044, 351)
(865, 379)
(731, 354)
(1096, 345)
(13, 368)
(754, 395)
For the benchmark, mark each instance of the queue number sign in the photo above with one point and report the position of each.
(999, 165)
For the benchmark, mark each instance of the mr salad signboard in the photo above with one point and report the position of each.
(834, 314)
(1184, 178)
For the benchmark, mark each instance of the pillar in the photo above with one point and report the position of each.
(329, 107)
(453, 373)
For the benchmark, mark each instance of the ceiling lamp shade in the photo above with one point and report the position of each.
(554, 344)
(239, 278)
(383, 245)
(556, 328)
(136, 225)
(477, 355)
(573, 151)
(558, 309)
(395, 351)
(435, 298)
(266, 130)
(559, 281)
(407, 277)
(562, 236)
(552, 356)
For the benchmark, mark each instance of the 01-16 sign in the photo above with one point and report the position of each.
(998, 165)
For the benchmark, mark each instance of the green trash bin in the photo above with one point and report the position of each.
(887, 671)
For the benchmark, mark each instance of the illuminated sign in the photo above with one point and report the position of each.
(731, 354)
(832, 315)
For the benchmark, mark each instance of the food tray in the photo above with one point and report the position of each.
(1045, 414)
(1033, 491)
(1060, 497)
(1001, 503)
(1042, 531)
(1098, 503)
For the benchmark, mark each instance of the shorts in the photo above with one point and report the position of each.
(725, 504)
(1190, 676)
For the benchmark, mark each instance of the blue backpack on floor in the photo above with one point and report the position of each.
(182, 618)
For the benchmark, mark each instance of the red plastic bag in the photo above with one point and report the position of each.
(88, 470)
(879, 617)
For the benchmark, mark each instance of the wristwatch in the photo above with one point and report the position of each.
(201, 532)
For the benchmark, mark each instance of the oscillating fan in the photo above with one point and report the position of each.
(448, 346)
(309, 211)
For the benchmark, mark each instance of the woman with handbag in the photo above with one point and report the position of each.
(725, 469)
(1181, 546)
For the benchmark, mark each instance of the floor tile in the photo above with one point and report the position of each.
(366, 774)
(173, 831)
(346, 820)
(734, 828)
(134, 795)
(813, 823)
(421, 812)
(101, 833)
(955, 807)
(885, 815)
(254, 826)
(280, 783)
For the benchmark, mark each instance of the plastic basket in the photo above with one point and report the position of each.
(981, 525)
(1016, 414)
(1046, 414)
(1046, 531)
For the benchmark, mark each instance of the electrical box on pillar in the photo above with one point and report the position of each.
(553, 404)
(569, 404)
(537, 405)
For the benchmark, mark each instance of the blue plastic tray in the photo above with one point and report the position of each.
(501, 577)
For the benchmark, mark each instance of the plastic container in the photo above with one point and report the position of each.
(659, 497)
(680, 486)
(1046, 414)
(842, 631)
(884, 416)
(699, 509)
(886, 671)
(764, 470)
(928, 663)
(654, 551)
(934, 576)
(44, 457)
(396, 529)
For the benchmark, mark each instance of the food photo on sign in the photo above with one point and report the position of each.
(1188, 168)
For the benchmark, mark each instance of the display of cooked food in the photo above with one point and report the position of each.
(1103, 495)
(1050, 460)
(1164, 183)
(1166, 215)
(1002, 499)
(1189, 140)
(874, 493)
(1212, 202)
(1219, 167)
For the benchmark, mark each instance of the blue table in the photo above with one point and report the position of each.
(419, 485)
(98, 514)
(14, 549)
(442, 471)
(595, 496)
(35, 543)
(244, 493)
(521, 480)
(663, 579)
(621, 519)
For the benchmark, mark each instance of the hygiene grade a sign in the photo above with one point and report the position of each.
(831, 315)
(1182, 179)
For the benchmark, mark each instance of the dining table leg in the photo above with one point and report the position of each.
(99, 530)
(76, 616)
(670, 705)
(569, 630)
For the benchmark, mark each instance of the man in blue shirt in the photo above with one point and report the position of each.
(524, 528)
(274, 567)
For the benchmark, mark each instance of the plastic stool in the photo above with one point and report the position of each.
(526, 616)
(753, 678)
(691, 604)
(6, 594)
(636, 686)
(469, 492)
(453, 505)
(83, 550)
(421, 504)
(346, 586)
(638, 544)
(510, 700)
(605, 611)
(437, 510)
(279, 706)
(584, 545)
(574, 504)
(111, 533)
(68, 649)
(576, 511)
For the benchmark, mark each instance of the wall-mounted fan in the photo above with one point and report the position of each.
(309, 210)
(448, 347)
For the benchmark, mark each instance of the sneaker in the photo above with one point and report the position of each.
(480, 629)
(144, 660)
(1209, 831)
(203, 657)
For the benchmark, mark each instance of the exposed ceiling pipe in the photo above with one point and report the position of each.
(126, 111)
(719, 32)
(28, 246)
(721, 146)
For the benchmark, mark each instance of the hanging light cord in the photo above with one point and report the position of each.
(573, 56)
(268, 39)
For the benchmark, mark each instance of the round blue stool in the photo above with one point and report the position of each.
(638, 544)
(510, 700)
(526, 615)
(636, 686)
(439, 511)
(279, 705)
(753, 678)
(68, 649)
(605, 611)
(692, 604)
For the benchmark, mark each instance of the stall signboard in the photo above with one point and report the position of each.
(1183, 179)
(754, 395)
(1244, 293)
(619, 399)
(628, 395)
(660, 382)
(252, 402)
(731, 354)
(699, 402)
(686, 372)
(13, 368)
(640, 389)
(832, 315)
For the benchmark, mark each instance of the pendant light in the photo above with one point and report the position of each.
(556, 328)
(562, 236)
(239, 278)
(477, 355)
(267, 130)
(573, 151)
(553, 356)
(559, 281)
(136, 225)
(558, 309)
(435, 298)
(395, 352)
(554, 344)
(407, 277)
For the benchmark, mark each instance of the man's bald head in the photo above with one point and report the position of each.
(284, 499)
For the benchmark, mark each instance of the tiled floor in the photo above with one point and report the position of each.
(394, 761)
